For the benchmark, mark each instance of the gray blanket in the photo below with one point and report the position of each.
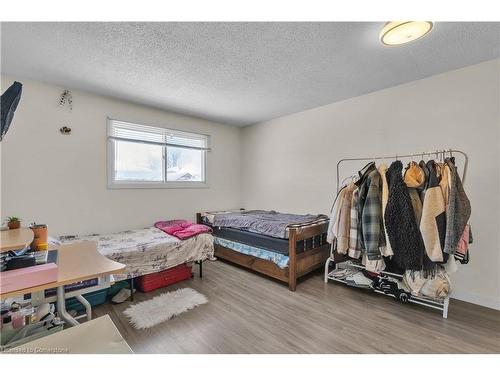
(270, 223)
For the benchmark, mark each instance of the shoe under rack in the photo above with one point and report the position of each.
(441, 305)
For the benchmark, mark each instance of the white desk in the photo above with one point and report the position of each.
(98, 336)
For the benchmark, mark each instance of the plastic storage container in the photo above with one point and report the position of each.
(95, 298)
(153, 281)
(72, 287)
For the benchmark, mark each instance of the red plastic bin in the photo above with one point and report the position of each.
(147, 283)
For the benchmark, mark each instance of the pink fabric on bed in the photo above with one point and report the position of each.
(182, 229)
(192, 230)
(172, 226)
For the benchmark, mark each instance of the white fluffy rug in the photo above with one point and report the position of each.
(163, 307)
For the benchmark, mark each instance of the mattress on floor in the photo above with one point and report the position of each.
(148, 250)
(279, 259)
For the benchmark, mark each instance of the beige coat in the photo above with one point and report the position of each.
(444, 183)
(433, 223)
(344, 224)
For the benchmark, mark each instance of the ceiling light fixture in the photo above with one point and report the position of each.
(400, 32)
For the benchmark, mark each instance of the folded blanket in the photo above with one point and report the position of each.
(182, 229)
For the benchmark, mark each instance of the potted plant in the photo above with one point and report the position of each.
(13, 222)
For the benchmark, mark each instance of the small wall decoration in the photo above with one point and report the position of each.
(66, 99)
(65, 130)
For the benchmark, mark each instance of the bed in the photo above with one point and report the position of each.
(148, 250)
(285, 254)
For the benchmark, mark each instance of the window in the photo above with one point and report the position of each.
(146, 156)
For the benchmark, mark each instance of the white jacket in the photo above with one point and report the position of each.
(333, 225)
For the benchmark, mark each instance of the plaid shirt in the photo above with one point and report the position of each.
(370, 223)
(354, 245)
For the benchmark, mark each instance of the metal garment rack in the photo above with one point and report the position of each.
(439, 154)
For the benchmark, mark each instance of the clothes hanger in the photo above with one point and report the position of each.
(451, 154)
(347, 178)
(423, 156)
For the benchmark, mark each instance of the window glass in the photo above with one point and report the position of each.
(184, 164)
(138, 162)
(153, 156)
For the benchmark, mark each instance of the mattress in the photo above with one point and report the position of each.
(261, 241)
(279, 259)
(277, 245)
(268, 223)
(148, 250)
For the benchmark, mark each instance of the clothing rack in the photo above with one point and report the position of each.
(436, 153)
(439, 154)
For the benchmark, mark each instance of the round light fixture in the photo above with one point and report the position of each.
(401, 32)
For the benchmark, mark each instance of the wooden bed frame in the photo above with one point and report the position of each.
(299, 264)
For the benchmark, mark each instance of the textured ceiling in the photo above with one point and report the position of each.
(236, 73)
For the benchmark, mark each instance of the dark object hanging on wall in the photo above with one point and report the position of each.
(9, 100)
(65, 130)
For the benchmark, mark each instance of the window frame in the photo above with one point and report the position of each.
(121, 184)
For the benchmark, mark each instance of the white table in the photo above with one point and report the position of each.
(98, 336)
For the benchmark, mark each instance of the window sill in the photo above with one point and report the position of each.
(157, 185)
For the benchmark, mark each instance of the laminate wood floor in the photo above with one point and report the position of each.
(248, 313)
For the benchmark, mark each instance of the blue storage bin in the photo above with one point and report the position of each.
(95, 298)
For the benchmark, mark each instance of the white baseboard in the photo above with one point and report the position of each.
(477, 300)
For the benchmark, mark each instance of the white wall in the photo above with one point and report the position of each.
(61, 180)
(289, 163)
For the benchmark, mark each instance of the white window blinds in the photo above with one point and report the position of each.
(126, 131)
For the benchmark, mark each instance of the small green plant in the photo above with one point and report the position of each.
(13, 222)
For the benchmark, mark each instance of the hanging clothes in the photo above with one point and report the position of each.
(459, 209)
(433, 224)
(416, 203)
(387, 249)
(445, 183)
(344, 223)
(462, 250)
(354, 245)
(420, 215)
(370, 211)
(414, 175)
(422, 188)
(375, 266)
(333, 224)
(414, 178)
(402, 228)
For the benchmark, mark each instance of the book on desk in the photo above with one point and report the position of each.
(26, 269)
